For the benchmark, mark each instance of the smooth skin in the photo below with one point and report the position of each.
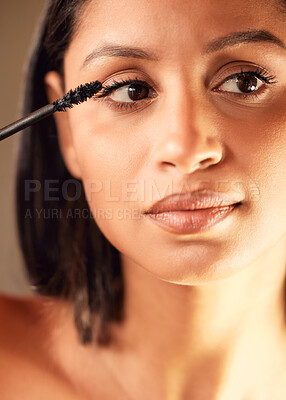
(205, 316)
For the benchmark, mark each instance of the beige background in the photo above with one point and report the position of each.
(18, 21)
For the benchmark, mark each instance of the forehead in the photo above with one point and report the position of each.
(173, 27)
(161, 15)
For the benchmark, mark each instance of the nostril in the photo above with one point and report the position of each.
(169, 163)
(206, 162)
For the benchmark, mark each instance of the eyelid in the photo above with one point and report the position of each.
(126, 106)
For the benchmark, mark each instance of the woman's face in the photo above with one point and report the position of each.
(198, 122)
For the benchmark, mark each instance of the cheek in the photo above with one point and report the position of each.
(106, 147)
(255, 143)
(260, 150)
(112, 161)
(114, 151)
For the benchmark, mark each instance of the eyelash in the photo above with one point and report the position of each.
(259, 73)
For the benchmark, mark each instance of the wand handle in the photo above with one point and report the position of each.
(27, 121)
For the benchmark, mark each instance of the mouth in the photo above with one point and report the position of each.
(191, 221)
(192, 212)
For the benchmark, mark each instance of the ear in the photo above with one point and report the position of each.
(54, 89)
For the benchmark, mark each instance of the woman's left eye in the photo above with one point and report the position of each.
(242, 84)
(245, 83)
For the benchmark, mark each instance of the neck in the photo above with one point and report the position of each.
(221, 340)
(215, 341)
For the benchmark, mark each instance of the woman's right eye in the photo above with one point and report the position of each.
(127, 91)
(126, 95)
(130, 93)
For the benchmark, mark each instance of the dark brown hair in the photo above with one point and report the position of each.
(66, 254)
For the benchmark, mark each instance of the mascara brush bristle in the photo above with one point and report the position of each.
(77, 96)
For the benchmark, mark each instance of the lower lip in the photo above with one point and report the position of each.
(195, 221)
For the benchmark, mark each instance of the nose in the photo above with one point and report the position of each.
(188, 140)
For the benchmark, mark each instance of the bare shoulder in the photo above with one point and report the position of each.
(41, 357)
(25, 368)
(20, 322)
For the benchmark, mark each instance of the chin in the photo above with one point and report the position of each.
(200, 266)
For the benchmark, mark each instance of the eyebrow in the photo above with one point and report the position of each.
(111, 50)
(232, 39)
(241, 37)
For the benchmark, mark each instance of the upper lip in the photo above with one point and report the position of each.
(196, 200)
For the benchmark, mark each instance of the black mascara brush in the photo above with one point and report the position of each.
(77, 96)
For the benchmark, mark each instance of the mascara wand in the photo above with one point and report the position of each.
(71, 98)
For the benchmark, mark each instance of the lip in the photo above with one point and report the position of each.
(188, 201)
(192, 212)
